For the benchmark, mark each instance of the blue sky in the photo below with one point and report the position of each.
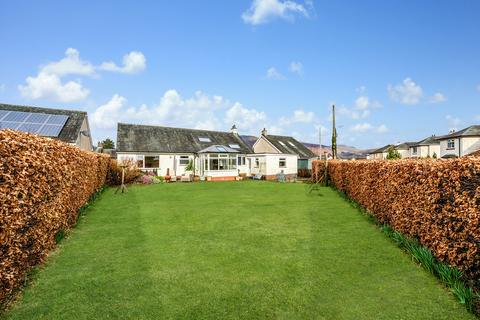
(396, 70)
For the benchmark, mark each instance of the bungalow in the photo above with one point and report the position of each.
(65, 125)
(209, 154)
(403, 149)
(460, 143)
(380, 153)
(280, 154)
(426, 148)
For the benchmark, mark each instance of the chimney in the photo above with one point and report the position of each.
(264, 132)
(234, 130)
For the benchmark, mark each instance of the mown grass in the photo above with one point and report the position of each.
(251, 250)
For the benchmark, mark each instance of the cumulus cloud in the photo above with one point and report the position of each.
(247, 119)
(264, 11)
(49, 86)
(273, 74)
(453, 122)
(408, 92)
(299, 116)
(437, 98)
(133, 62)
(367, 127)
(296, 67)
(353, 114)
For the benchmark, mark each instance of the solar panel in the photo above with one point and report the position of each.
(50, 130)
(29, 127)
(44, 124)
(16, 116)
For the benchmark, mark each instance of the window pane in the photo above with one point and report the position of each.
(213, 164)
(152, 162)
(282, 163)
(222, 164)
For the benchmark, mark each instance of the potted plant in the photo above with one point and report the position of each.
(189, 167)
(168, 177)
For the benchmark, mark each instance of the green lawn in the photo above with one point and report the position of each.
(251, 250)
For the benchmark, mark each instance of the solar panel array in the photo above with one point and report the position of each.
(44, 124)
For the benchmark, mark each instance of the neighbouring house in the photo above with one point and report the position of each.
(426, 148)
(403, 149)
(380, 153)
(460, 143)
(212, 155)
(65, 125)
(279, 154)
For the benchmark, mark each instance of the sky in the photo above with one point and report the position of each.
(396, 70)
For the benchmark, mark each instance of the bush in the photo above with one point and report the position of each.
(114, 177)
(43, 184)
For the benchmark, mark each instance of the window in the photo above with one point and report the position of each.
(414, 150)
(152, 161)
(282, 162)
(234, 146)
(291, 143)
(204, 139)
(257, 162)
(241, 160)
(221, 149)
(139, 161)
(184, 160)
(450, 144)
(222, 162)
(281, 142)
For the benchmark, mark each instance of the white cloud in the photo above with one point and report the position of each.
(273, 74)
(367, 127)
(406, 93)
(246, 119)
(353, 114)
(49, 86)
(453, 122)
(299, 116)
(133, 62)
(362, 102)
(264, 11)
(108, 115)
(70, 64)
(382, 129)
(296, 67)
(437, 98)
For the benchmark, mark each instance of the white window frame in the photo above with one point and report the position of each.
(182, 158)
(451, 144)
(241, 161)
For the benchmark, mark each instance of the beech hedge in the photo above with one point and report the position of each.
(435, 201)
(43, 184)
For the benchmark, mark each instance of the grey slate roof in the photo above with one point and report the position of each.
(427, 142)
(144, 138)
(404, 145)
(472, 131)
(70, 130)
(382, 149)
(298, 148)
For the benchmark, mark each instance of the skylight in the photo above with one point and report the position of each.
(281, 142)
(204, 139)
(290, 143)
(221, 149)
(234, 146)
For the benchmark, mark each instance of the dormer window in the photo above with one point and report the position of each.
(204, 139)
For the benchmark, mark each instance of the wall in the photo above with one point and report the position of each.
(444, 151)
(43, 184)
(469, 145)
(84, 142)
(263, 146)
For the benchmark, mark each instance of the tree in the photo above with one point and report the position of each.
(108, 144)
(434, 155)
(393, 154)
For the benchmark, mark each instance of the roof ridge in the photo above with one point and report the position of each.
(37, 107)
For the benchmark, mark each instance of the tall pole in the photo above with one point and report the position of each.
(334, 134)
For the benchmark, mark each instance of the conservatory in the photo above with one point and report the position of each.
(218, 162)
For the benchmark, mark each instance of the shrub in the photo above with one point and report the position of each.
(43, 184)
(393, 154)
(114, 177)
